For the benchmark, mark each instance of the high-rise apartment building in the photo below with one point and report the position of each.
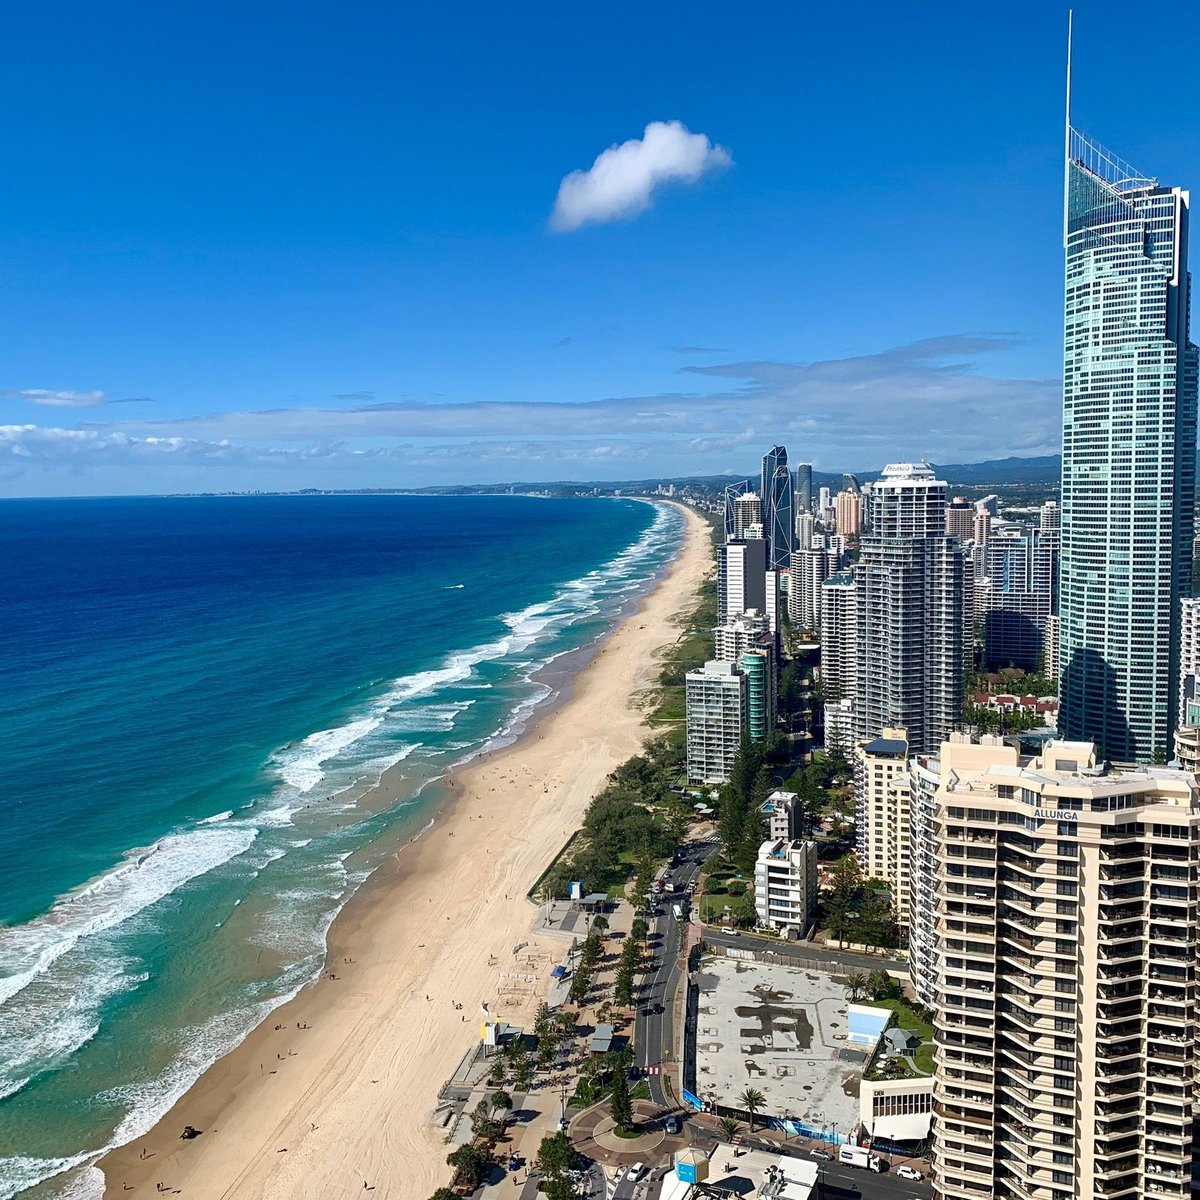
(1022, 577)
(847, 507)
(803, 493)
(757, 663)
(810, 569)
(1187, 733)
(741, 578)
(806, 527)
(747, 515)
(881, 802)
(910, 612)
(779, 522)
(960, 518)
(716, 698)
(1064, 968)
(1129, 453)
(747, 630)
(839, 658)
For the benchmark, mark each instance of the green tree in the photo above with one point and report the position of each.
(880, 984)
(855, 985)
(556, 1155)
(501, 1102)
(752, 1100)
(639, 929)
(729, 1127)
(471, 1163)
(622, 1105)
(482, 1124)
(444, 1193)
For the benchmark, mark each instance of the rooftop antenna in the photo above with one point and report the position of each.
(1067, 131)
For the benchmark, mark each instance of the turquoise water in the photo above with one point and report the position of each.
(196, 693)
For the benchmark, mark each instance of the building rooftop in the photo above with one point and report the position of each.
(782, 1030)
(886, 746)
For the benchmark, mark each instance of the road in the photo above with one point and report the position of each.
(803, 952)
(654, 1027)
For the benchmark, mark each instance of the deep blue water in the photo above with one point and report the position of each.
(193, 695)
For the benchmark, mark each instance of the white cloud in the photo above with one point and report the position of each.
(623, 179)
(925, 399)
(57, 399)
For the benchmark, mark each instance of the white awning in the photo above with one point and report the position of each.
(911, 1127)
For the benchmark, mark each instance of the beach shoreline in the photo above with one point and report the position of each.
(332, 1092)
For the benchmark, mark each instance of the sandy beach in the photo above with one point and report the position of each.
(334, 1090)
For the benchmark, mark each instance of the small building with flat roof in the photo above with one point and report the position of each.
(602, 1040)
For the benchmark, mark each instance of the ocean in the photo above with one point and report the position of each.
(195, 693)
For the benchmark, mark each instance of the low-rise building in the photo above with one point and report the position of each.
(783, 814)
(785, 885)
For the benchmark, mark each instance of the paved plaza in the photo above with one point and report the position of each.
(780, 1030)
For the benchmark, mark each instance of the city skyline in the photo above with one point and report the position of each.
(232, 309)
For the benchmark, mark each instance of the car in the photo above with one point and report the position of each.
(823, 1155)
(671, 1125)
(635, 1172)
(907, 1172)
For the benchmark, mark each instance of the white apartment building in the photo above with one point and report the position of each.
(781, 811)
(742, 632)
(785, 885)
(839, 658)
(810, 569)
(909, 585)
(1065, 983)
(717, 712)
(881, 799)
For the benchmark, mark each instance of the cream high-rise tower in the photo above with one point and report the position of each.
(1063, 971)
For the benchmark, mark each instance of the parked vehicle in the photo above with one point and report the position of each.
(823, 1155)
(907, 1172)
(677, 909)
(635, 1172)
(672, 1125)
(860, 1156)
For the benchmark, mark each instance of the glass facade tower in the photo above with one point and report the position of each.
(1129, 454)
(779, 523)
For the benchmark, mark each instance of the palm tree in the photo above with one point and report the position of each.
(752, 1100)
(855, 984)
(729, 1127)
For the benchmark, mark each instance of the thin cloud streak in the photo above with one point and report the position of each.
(924, 399)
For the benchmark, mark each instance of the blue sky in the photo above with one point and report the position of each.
(279, 246)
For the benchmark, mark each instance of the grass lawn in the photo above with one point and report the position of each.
(640, 1090)
(907, 1019)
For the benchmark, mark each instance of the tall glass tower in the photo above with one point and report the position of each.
(1129, 453)
(779, 524)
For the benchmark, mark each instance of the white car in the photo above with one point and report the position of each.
(909, 1173)
(635, 1172)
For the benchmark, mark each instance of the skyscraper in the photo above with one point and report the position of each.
(910, 612)
(1129, 453)
(803, 493)
(1020, 574)
(779, 525)
(839, 658)
(1063, 957)
(741, 578)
